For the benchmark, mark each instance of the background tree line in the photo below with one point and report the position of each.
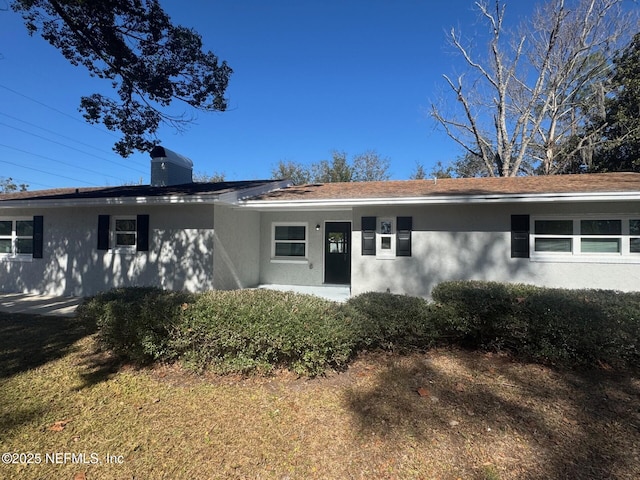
(558, 94)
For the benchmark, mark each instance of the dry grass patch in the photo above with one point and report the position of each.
(444, 414)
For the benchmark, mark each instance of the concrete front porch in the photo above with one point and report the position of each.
(336, 293)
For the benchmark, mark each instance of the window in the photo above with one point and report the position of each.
(387, 237)
(21, 238)
(601, 236)
(553, 236)
(581, 239)
(289, 241)
(123, 234)
(634, 231)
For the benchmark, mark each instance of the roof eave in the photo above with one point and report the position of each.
(110, 201)
(435, 200)
(229, 197)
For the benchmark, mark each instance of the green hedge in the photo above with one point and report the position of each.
(225, 331)
(136, 323)
(583, 327)
(396, 322)
(258, 330)
(245, 330)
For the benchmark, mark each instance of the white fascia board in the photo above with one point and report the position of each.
(435, 200)
(112, 201)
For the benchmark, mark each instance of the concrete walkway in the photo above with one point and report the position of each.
(38, 304)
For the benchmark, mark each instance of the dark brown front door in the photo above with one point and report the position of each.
(337, 252)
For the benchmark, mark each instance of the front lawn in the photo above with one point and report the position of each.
(445, 413)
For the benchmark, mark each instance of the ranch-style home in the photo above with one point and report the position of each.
(574, 231)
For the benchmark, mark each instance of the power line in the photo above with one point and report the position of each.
(55, 133)
(56, 110)
(48, 173)
(15, 92)
(27, 182)
(58, 161)
(71, 148)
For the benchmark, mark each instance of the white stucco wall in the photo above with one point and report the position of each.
(180, 256)
(459, 242)
(311, 270)
(236, 253)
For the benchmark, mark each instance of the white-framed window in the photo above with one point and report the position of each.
(289, 241)
(125, 236)
(386, 238)
(586, 238)
(16, 238)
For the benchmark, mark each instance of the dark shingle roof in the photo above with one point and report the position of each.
(555, 184)
(134, 191)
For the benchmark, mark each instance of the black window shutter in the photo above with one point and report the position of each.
(368, 235)
(404, 225)
(519, 236)
(142, 225)
(38, 230)
(103, 232)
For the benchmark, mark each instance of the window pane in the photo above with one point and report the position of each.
(125, 239)
(553, 245)
(600, 245)
(386, 243)
(24, 245)
(5, 245)
(123, 225)
(290, 232)
(337, 242)
(24, 228)
(634, 227)
(601, 227)
(385, 227)
(554, 227)
(635, 245)
(289, 249)
(5, 228)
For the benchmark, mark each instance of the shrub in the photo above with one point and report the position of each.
(394, 321)
(554, 325)
(136, 322)
(487, 314)
(258, 330)
(244, 330)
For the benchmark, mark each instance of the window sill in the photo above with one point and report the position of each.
(301, 261)
(122, 251)
(16, 258)
(613, 258)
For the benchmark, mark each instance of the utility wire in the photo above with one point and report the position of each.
(27, 182)
(56, 110)
(60, 161)
(55, 133)
(70, 147)
(48, 173)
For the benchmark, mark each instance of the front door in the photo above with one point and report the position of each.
(337, 252)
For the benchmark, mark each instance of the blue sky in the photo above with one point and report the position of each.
(310, 77)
